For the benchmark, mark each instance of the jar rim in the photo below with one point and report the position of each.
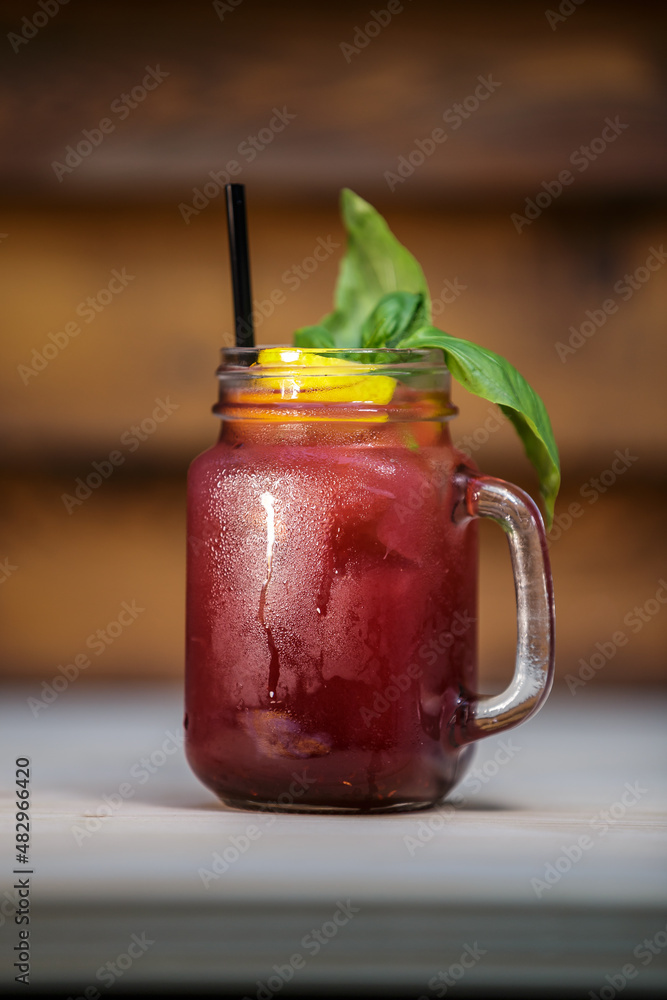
(236, 359)
(375, 384)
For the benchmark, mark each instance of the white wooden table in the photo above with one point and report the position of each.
(136, 898)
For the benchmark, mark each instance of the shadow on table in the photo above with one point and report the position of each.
(193, 801)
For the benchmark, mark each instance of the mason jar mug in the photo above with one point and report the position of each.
(332, 586)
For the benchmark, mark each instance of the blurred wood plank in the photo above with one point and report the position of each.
(355, 115)
(126, 543)
(521, 295)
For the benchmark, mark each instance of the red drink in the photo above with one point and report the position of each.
(332, 578)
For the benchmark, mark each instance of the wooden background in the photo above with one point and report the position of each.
(67, 574)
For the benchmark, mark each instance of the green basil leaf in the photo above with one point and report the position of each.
(490, 376)
(374, 264)
(396, 315)
(313, 336)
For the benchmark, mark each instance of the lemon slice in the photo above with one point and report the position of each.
(353, 388)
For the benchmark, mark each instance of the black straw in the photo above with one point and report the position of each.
(238, 254)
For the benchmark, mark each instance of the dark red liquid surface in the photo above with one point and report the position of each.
(331, 633)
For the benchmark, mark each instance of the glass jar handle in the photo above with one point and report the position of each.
(520, 518)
